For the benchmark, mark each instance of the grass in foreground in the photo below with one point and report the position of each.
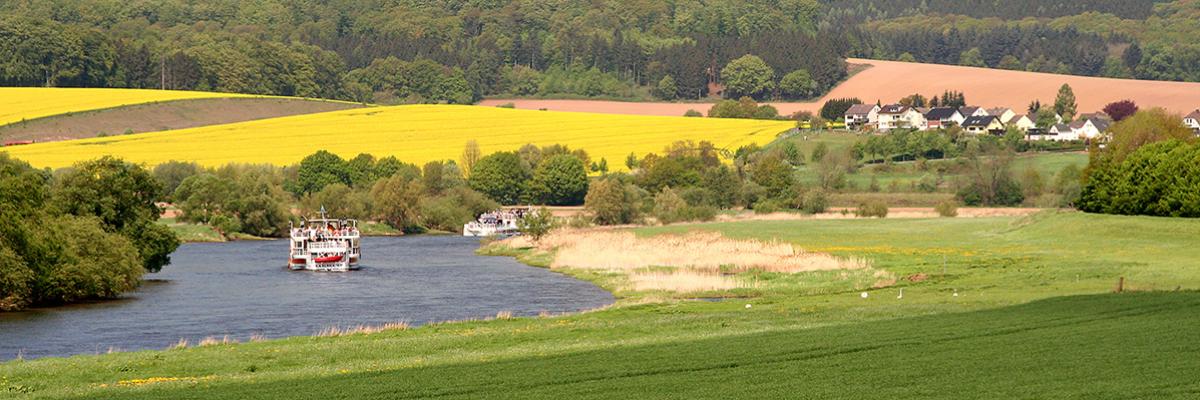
(795, 341)
(414, 134)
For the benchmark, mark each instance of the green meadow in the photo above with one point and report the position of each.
(1014, 307)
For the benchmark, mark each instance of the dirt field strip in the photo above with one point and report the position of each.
(164, 115)
(888, 81)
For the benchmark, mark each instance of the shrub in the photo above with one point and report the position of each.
(693, 113)
(870, 209)
(815, 202)
(537, 223)
(767, 206)
(947, 208)
(1160, 179)
(668, 206)
(612, 202)
(506, 105)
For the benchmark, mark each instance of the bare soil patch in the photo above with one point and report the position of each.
(888, 81)
(152, 117)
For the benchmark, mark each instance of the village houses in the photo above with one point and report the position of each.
(894, 116)
(984, 124)
(862, 114)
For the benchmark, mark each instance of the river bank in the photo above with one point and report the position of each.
(967, 289)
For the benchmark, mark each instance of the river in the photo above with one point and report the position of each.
(241, 289)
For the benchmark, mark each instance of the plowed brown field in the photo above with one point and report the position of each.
(888, 81)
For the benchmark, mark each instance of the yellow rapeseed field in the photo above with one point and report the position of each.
(21, 103)
(415, 134)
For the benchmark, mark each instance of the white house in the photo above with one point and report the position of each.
(1022, 122)
(1193, 121)
(1060, 133)
(861, 114)
(1090, 128)
(1004, 113)
(894, 116)
(983, 124)
(942, 117)
(969, 111)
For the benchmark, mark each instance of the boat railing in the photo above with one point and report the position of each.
(327, 246)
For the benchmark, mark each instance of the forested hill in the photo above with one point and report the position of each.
(408, 50)
(1006, 9)
(457, 51)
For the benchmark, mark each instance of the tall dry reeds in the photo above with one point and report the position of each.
(706, 251)
(685, 281)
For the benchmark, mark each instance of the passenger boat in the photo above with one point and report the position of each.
(496, 223)
(324, 244)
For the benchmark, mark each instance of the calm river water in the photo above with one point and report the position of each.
(241, 289)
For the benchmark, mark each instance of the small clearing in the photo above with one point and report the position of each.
(166, 115)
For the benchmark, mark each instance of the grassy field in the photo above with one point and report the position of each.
(414, 134)
(187, 232)
(1030, 320)
(20, 103)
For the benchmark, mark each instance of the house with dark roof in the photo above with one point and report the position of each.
(1193, 121)
(942, 117)
(972, 111)
(894, 116)
(983, 124)
(1004, 113)
(861, 114)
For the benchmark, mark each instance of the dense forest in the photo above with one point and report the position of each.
(407, 51)
(458, 51)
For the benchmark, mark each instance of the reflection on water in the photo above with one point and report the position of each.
(242, 289)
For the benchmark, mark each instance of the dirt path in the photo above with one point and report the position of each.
(888, 81)
(151, 117)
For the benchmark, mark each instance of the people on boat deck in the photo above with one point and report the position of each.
(322, 233)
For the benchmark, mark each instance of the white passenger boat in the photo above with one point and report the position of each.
(324, 244)
(496, 223)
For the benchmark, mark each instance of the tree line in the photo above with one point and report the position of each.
(454, 52)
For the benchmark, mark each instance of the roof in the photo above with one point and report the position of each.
(860, 109)
(966, 111)
(1101, 124)
(1018, 117)
(893, 109)
(983, 120)
(1061, 128)
(940, 113)
(1194, 115)
(998, 110)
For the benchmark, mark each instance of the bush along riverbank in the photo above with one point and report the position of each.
(81, 234)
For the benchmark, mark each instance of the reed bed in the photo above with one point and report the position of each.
(685, 281)
(708, 251)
